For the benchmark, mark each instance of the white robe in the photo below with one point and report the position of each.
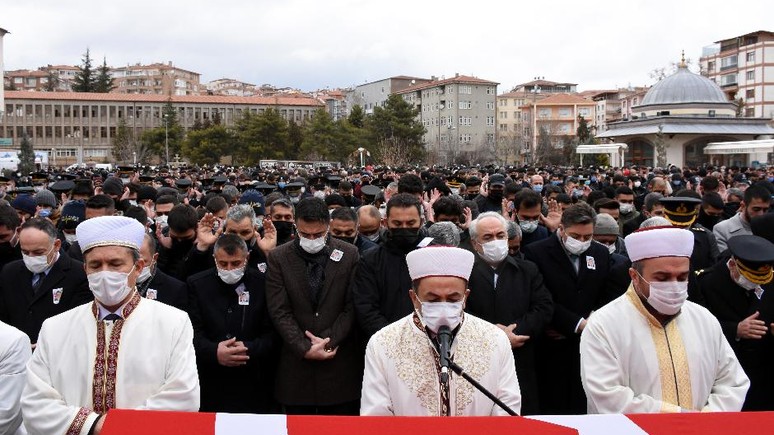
(401, 377)
(156, 367)
(15, 350)
(631, 364)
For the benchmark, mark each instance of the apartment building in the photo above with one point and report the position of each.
(743, 69)
(335, 101)
(231, 87)
(158, 78)
(374, 94)
(558, 115)
(459, 115)
(73, 126)
(510, 123)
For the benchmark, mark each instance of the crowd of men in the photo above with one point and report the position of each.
(287, 273)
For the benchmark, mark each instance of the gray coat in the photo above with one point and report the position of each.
(730, 228)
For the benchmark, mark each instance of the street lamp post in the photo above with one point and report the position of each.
(166, 137)
(362, 162)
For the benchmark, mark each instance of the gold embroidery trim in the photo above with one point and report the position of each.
(672, 359)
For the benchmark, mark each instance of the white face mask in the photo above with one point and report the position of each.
(319, 194)
(611, 248)
(437, 314)
(231, 276)
(37, 263)
(667, 297)
(372, 237)
(161, 221)
(109, 287)
(145, 273)
(312, 246)
(528, 227)
(494, 251)
(70, 238)
(627, 208)
(575, 246)
(741, 280)
(637, 184)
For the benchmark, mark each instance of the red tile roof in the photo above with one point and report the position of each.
(462, 80)
(284, 100)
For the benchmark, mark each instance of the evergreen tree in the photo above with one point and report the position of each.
(85, 80)
(395, 133)
(319, 137)
(261, 136)
(104, 82)
(583, 132)
(209, 145)
(153, 140)
(26, 156)
(357, 116)
(295, 139)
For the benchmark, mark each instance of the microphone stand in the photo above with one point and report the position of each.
(460, 371)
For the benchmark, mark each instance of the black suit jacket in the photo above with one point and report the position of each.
(575, 295)
(731, 304)
(169, 290)
(217, 316)
(26, 311)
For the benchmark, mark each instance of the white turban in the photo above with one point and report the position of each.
(659, 242)
(440, 261)
(110, 231)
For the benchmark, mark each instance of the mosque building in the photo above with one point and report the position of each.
(685, 112)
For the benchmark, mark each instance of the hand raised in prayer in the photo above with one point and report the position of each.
(751, 328)
(516, 340)
(269, 239)
(319, 350)
(232, 353)
(554, 217)
(468, 218)
(206, 235)
(434, 195)
(164, 241)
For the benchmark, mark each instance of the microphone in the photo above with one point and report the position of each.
(444, 348)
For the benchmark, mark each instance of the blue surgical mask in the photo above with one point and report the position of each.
(593, 179)
(556, 182)
(537, 188)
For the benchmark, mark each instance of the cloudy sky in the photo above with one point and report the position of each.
(311, 44)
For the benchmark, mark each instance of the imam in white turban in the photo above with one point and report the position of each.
(658, 242)
(110, 231)
(440, 261)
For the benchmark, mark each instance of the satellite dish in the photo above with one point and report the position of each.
(413, 82)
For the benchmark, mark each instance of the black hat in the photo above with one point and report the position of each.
(183, 183)
(219, 180)
(754, 257)
(763, 226)
(62, 186)
(146, 192)
(39, 177)
(681, 211)
(146, 179)
(4, 180)
(370, 190)
(497, 179)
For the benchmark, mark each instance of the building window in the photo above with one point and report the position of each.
(490, 90)
(490, 121)
(544, 113)
(750, 75)
(490, 138)
(490, 105)
(464, 138)
(465, 105)
(583, 111)
(503, 102)
(565, 112)
(503, 127)
(504, 115)
(728, 79)
(750, 56)
(466, 89)
(710, 66)
(750, 93)
(728, 62)
(749, 112)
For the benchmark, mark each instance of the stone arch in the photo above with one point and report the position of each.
(693, 151)
(641, 152)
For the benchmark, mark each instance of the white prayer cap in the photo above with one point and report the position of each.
(110, 231)
(657, 242)
(440, 261)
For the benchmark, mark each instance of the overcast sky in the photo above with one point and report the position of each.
(311, 44)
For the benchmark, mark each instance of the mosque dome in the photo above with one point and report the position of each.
(684, 87)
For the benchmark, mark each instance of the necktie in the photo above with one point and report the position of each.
(37, 280)
(112, 316)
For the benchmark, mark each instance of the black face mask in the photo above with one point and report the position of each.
(404, 239)
(471, 196)
(496, 195)
(284, 229)
(706, 220)
(350, 240)
(182, 245)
